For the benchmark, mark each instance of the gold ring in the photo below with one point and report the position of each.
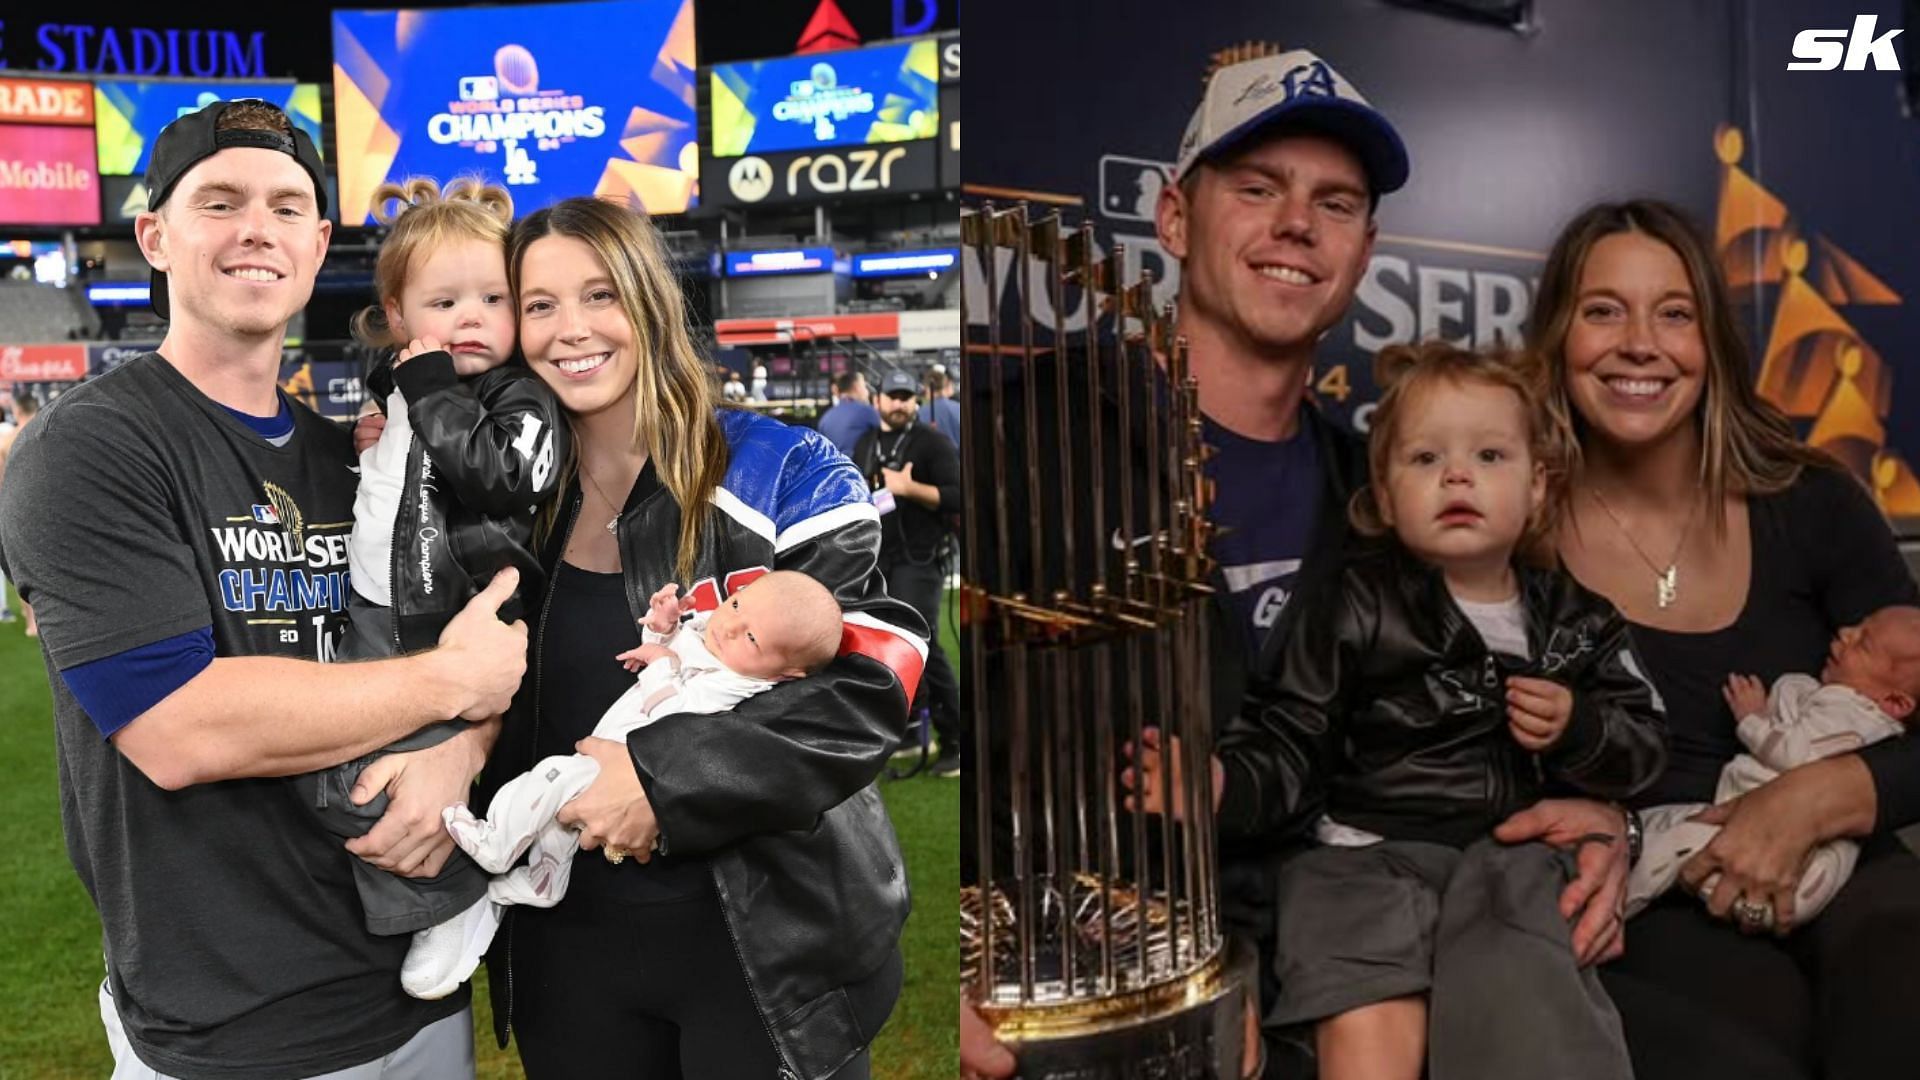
(614, 855)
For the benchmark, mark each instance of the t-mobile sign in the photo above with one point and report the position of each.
(48, 176)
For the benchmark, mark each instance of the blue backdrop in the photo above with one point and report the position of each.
(1511, 134)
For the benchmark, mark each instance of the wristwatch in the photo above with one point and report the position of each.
(1636, 836)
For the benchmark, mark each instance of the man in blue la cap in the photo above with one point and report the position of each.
(1272, 218)
(1271, 215)
(180, 526)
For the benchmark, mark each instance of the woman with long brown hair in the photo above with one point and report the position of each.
(650, 966)
(1732, 548)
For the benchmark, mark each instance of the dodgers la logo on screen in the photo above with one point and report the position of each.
(515, 124)
(820, 100)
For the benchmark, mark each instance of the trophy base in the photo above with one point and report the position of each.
(1195, 1032)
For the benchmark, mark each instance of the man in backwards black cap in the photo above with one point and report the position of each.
(180, 527)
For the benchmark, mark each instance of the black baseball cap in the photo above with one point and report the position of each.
(192, 139)
(896, 381)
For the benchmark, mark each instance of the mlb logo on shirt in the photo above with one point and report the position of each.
(265, 515)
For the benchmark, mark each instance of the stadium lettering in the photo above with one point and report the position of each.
(208, 53)
(905, 26)
(46, 101)
(827, 173)
(44, 176)
(448, 128)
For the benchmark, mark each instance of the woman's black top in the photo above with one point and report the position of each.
(1823, 558)
(586, 625)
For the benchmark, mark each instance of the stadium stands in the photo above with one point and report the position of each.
(30, 312)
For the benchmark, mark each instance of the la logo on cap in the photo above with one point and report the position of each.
(1313, 78)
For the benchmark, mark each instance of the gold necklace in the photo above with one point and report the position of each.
(617, 509)
(1666, 582)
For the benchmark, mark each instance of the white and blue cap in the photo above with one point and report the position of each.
(1295, 91)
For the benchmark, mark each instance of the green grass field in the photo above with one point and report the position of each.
(50, 963)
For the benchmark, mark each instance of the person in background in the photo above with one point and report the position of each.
(852, 416)
(941, 412)
(915, 476)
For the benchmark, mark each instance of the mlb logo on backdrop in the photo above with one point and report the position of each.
(1821, 50)
(479, 88)
(265, 515)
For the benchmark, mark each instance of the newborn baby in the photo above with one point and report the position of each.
(782, 625)
(787, 626)
(1865, 693)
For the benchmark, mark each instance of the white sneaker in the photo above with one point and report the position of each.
(444, 956)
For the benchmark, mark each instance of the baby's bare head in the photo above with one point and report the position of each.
(782, 625)
(1880, 658)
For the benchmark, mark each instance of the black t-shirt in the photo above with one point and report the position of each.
(136, 509)
(1823, 558)
(586, 625)
(1266, 505)
(912, 532)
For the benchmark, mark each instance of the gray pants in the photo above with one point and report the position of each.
(392, 904)
(443, 1050)
(1478, 931)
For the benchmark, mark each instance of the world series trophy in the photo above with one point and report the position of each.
(1090, 934)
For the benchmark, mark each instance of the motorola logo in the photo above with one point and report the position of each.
(750, 179)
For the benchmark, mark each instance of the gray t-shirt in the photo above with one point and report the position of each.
(134, 510)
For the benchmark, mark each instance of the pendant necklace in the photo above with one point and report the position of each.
(603, 498)
(1666, 582)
